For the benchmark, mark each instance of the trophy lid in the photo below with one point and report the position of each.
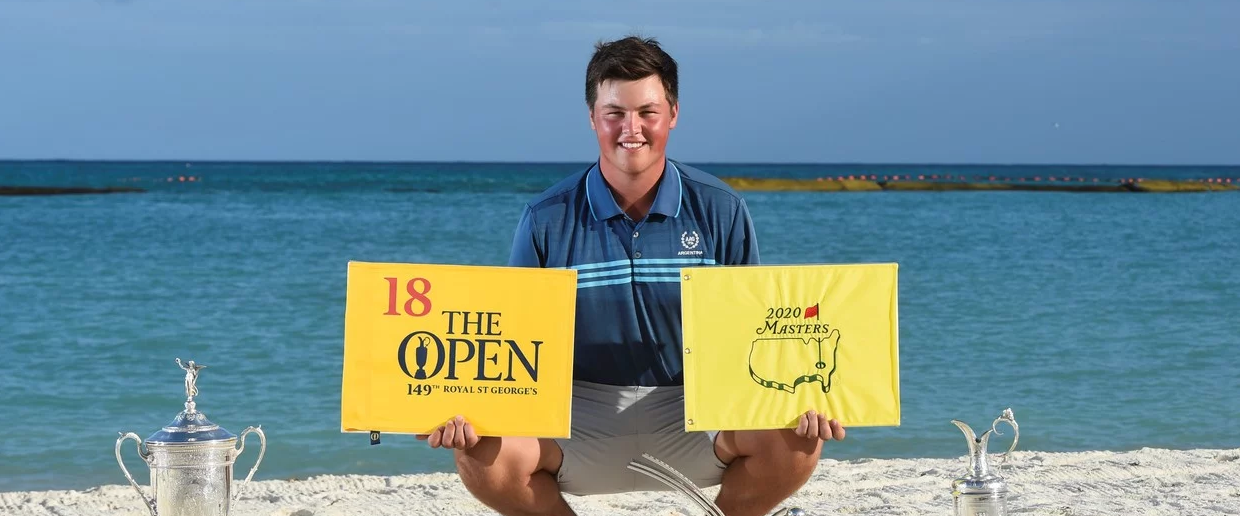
(190, 426)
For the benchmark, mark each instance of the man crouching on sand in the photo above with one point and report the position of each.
(618, 223)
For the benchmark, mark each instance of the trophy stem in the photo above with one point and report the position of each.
(978, 465)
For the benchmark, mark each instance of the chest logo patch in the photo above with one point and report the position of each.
(690, 240)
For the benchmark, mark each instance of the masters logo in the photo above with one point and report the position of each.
(804, 353)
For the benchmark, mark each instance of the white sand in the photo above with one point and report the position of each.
(1149, 481)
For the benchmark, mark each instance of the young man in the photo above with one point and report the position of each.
(627, 224)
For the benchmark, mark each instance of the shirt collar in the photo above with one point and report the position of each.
(603, 205)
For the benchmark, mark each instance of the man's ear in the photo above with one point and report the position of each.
(590, 113)
(675, 115)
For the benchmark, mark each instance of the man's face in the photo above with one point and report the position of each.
(632, 120)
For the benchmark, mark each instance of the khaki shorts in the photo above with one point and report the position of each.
(613, 425)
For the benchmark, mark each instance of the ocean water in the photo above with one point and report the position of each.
(1106, 321)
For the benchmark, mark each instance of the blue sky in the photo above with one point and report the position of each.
(1080, 81)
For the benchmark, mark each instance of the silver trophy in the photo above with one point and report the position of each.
(191, 460)
(981, 492)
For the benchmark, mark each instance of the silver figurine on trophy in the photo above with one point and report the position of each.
(190, 460)
(981, 492)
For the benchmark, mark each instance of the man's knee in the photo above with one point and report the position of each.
(780, 453)
(479, 467)
(496, 464)
(795, 454)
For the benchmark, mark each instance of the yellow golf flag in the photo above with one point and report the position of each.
(424, 343)
(763, 344)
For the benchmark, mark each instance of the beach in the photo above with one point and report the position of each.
(1146, 481)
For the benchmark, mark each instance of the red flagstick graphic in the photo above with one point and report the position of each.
(812, 311)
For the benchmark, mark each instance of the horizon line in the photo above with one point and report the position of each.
(582, 162)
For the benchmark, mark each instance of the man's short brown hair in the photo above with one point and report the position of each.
(630, 59)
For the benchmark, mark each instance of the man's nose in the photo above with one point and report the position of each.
(633, 123)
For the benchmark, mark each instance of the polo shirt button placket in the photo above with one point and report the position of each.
(636, 254)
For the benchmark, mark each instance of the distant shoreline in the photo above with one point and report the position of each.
(849, 184)
(702, 163)
(65, 190)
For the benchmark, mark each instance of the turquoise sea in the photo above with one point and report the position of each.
(1106, 321)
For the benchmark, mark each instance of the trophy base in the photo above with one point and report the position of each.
(981, 505)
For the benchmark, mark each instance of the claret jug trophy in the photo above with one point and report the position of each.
(190, 460)
(981, 492)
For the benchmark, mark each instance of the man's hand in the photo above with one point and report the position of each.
(455, 434)
(813, 425)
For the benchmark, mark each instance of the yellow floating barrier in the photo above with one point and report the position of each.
(863, 185)
(1163, 186)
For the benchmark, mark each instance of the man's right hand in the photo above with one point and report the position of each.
(456, 434)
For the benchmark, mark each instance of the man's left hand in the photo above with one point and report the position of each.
(813, 425)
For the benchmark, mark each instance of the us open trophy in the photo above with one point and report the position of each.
(981, 492)
(191, 460)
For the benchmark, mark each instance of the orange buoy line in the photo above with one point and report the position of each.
(66, 190)
(177, 179)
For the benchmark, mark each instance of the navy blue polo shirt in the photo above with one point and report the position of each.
(628, 321)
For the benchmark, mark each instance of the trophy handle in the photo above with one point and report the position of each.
(1010, 419)
(146, 457)
(262, 450)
